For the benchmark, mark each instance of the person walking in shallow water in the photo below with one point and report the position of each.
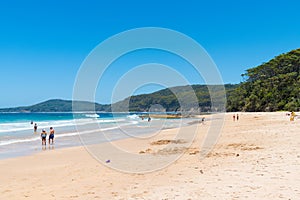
(43, 136)
(35, 127)
(51, 135)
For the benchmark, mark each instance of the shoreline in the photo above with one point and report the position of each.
(71, 137)
(256, 158)
(80, 144)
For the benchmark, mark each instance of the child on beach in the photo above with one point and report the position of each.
(43, 136)
(51, 135)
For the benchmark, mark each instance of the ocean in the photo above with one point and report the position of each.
(17, 136)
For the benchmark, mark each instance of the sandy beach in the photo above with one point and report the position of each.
(257, 157)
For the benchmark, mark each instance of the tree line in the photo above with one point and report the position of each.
(271, 86)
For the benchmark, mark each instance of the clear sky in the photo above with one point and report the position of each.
(43, 43)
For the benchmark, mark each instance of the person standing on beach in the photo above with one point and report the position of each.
(233, 117)
(43, 136)
(237, 117)
(292, 116)
(51, 135)
(35, 127)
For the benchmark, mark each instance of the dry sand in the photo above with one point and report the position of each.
(257, 157)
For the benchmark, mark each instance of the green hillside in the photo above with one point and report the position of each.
(272, 86)
(167, 99)
(58, 105)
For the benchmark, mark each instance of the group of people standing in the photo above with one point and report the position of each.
(44, 134)
(235, 117)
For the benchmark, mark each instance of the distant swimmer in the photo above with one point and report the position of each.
(149, 119)
(51, 135)
(31, 122)
(43, 136)
(35, 127)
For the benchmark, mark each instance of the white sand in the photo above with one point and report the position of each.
(257, 157)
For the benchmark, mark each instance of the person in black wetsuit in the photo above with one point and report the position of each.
(35, 127)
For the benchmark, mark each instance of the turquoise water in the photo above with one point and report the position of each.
(14, 122)
(18, 138)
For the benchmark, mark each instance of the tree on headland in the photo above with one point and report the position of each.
(272, 86)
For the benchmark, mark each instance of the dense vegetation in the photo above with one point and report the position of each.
(58, 105)
(169, 101)
(166, 98)
(272, 86)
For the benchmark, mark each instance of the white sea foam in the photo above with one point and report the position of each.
(14, 141)
(23, 126)
(134, 116)
(66, 134)
(92, 115)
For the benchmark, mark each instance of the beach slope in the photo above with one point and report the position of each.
(256, 157)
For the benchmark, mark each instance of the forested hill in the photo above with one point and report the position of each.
(58, 105)
(167, 99)
(272, 86)
(141, 103)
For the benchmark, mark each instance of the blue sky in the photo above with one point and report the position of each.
(43, 43)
